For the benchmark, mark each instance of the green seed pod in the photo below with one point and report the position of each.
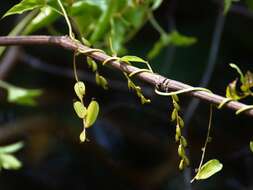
(186, 161)
(178, 130)
(174, 115)
(176, 105)
(92, 113)
(181, 122)
(79, 89)
(92, 64)
(175, 98)
(181, 165)
(177, 138)
(183, 141)
(80, 109)
(181, 151)
(82, 136)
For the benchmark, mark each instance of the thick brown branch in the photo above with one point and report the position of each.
(154, 79)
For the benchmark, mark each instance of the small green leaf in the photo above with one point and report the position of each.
(208, 169)
(130, 58)
(80, 109)
(234, 66)
(156, 4)
(22, 96)
(11, 148)
(9, 162)
(231, 91)
(79, 89)
(23, 6)
(92, 113)
(251, 146)
(174, 38)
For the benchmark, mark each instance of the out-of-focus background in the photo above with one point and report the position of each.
(131, 146)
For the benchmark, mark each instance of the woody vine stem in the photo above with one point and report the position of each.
(160, 82)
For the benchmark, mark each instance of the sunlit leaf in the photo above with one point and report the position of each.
(46, 16)
(9, 162)
(23, 96)
(130, 58)
(156, 4)
(231, 91)
(11, 148)
(174, 38)
(208, 169)
(80, 109)
(234, 66)
(92, 113)
(25, 5)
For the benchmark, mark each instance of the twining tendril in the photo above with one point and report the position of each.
(109, 59)
(139, 71)
(90, 51)
(243, 109)
(191, 89)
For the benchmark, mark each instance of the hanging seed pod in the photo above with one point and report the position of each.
(181, 122)
(174, 115)
(178, 131)
(177, 138)
(183, 141)
(175, 98)
(80, 109)
(181, 165)
(181, 151)
(92, 113)
(186, 161)
(92, 64)
(83, 136)
(176, 105)
(79, 89)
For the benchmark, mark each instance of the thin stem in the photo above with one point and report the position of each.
(207, 139)
(154, 79)
(155, 24)
(71, 34)
(74, 67)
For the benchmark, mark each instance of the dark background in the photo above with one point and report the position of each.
(131, 146)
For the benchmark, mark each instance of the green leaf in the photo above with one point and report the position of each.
(174, 38)
(46, 16)
(234, 66)
(156, 4)
(208, 169)
(227, 5)
(11, 148)
(251, 146)
(248, 82)
(92, 113)
(23, 6)
(9, 162)
(22, 96)
(231, 91)
(130, 58)
(80, 109)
